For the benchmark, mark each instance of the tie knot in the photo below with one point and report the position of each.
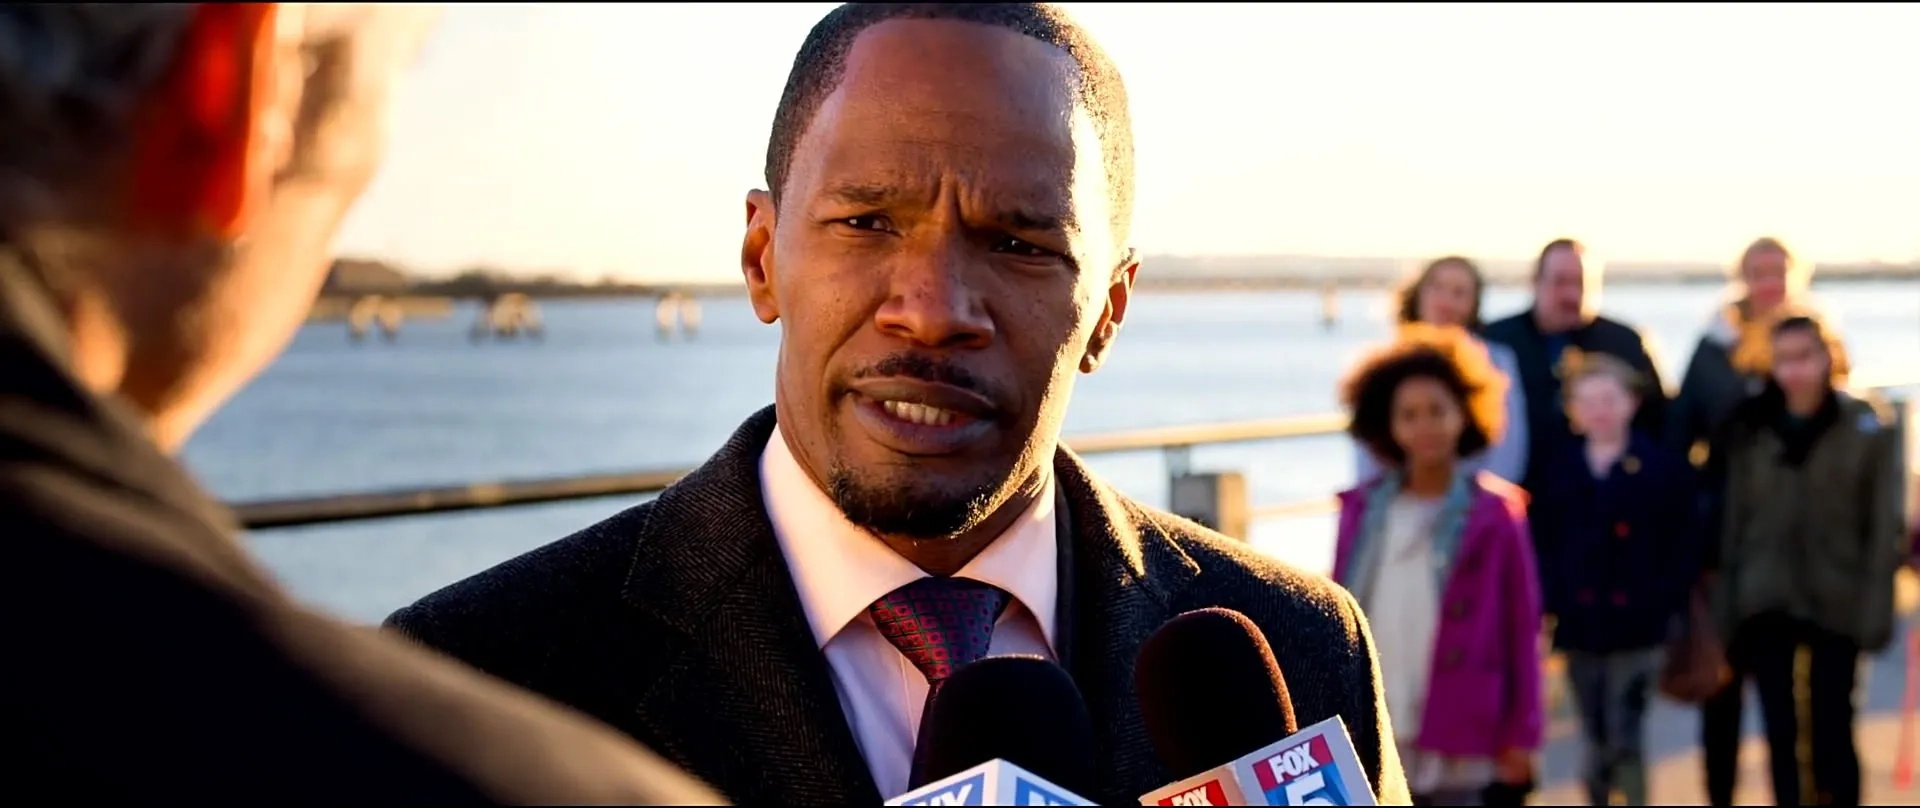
(940, 624)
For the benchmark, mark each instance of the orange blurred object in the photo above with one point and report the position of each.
(193, 153)
(1903, 755)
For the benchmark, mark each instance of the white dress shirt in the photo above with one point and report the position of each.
(840, 570)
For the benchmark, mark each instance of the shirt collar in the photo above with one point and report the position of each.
(839, 569)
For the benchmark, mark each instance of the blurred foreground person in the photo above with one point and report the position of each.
(170, 177)
(1812, 535)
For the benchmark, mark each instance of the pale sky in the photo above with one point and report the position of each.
(621, 139)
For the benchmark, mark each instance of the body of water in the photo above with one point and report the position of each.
(601, 393)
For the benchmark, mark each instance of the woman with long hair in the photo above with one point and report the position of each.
(1448, 292)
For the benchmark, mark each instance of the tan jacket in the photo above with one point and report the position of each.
(1821, 538)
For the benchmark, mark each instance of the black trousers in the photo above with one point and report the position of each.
(1768, 650)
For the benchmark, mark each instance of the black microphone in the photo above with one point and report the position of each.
(1210, 691)
(1221, 720)
(1023, 710)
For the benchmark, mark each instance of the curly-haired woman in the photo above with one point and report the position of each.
(1439, 557)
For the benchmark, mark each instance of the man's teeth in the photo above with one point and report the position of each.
(919, 413)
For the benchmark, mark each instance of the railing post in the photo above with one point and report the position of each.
(1217, 500)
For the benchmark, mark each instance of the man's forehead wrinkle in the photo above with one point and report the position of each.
(887, 160)
(1034, 210)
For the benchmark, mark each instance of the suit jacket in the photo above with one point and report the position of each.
(677, 621)
(150, 659)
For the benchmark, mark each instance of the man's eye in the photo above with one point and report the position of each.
(1014, 246)
(871, 222)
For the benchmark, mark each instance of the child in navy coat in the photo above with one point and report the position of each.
(1625, 531)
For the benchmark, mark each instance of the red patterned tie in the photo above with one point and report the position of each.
(940, 624)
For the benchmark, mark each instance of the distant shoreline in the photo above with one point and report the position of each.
(355, 279)
(333, 304)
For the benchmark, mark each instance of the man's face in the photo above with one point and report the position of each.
(1560, 291)
(942, 261)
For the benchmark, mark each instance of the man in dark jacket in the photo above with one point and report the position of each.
(1561, 323)
(944, 246)
(161, 237)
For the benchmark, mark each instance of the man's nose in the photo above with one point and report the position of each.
(933, 301)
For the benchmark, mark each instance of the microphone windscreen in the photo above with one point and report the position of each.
(1210, 691)
(1021, 709)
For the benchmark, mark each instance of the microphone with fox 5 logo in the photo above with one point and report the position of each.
(1006, 730)
(1214, 701)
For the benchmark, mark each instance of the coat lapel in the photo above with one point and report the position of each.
(746, 700)
(1124, 587)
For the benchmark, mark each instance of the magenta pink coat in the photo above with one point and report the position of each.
(1485, 695)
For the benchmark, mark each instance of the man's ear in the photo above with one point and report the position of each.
(756, 256)
(1119, 294)
(201, 156)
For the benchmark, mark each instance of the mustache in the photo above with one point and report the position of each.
(928, 369)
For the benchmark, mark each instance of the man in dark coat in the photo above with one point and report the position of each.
(161, 238)
(1561, 324)
(944, 245)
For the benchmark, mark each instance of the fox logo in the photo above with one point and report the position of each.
(1302, 775)
(1300, 759)
(1208, 793)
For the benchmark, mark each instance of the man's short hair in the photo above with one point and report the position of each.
(71, 77)
(1540, 263)
(822, 61)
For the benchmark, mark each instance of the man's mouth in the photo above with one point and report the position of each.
(921, 418)
(922, 414)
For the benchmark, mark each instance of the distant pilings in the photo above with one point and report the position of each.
(675, 314)
(366, 314)
(508, 316)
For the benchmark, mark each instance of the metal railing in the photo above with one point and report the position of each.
(1174, 442)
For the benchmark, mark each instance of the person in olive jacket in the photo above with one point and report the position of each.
(1812, 535)
(1730, 365)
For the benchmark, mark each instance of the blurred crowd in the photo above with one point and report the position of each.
(1534, 474)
